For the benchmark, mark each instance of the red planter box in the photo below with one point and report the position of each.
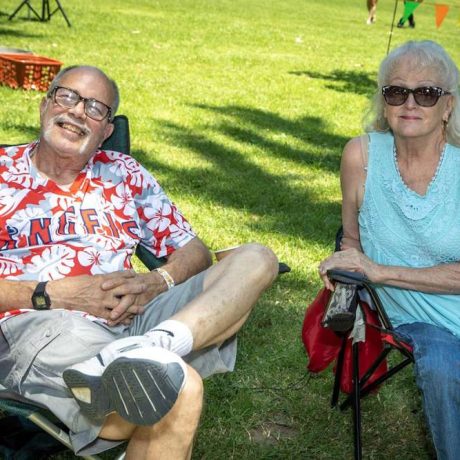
(27, 71)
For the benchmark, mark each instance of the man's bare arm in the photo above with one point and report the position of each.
(113, 296)
(82, 293)
(16, 294)
(188, 260)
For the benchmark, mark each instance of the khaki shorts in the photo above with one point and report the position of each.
(36, 347)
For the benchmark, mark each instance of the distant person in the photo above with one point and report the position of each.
(372, 9)
(410, 18)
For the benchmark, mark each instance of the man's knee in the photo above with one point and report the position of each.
(261, 258)
(193, 391)
(185, 414)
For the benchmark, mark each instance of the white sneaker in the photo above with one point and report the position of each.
(139, 381)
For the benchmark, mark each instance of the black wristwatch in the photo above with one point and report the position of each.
(40, 299)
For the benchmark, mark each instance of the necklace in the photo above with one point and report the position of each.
(435, 175)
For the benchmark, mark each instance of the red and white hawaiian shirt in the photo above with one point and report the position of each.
(49, 232)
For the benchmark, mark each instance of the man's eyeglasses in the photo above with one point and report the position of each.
(425, 96)
(68, 98)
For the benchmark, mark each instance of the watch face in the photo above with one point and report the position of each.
(39, 302)
(40, 299)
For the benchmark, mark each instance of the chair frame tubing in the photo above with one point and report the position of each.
(360, 389)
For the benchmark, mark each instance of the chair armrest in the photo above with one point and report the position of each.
(283, 268)
(148, 259)
(346, 277)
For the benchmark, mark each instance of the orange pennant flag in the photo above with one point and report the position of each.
(441, 12)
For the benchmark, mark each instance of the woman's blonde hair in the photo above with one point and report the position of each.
(423, 55)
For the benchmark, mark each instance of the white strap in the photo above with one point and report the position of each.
(167, 277)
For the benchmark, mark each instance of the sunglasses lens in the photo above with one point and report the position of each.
(426, 96)
(395, 95)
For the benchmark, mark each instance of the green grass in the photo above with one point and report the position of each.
(241, 110)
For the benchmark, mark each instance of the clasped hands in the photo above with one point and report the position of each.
(116, 297)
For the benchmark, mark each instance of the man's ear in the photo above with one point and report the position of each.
(43, 105)
(107, 132)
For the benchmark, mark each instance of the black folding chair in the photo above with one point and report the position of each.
(46, 11)
(390, 340)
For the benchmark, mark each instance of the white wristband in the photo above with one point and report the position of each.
(167, 277)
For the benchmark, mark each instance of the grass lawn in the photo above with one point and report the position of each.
(241, 110)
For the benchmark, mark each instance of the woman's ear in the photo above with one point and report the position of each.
(449, 108)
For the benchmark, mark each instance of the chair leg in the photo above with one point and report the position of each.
(338, 373)
(364, 390)
(59, 7)
(29, 9)
(45, 10)
(55, 432)
(356, 404)
(385, 377)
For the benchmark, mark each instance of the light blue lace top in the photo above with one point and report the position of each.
(400, 227)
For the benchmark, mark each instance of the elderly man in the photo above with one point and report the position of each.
(114, 354)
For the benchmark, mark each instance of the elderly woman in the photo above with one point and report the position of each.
(401, 220)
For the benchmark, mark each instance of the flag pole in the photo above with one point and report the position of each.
(392, 26)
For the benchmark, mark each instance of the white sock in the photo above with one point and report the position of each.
(173, 335)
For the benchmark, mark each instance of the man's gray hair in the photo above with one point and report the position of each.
(423, 55)
(116, 94)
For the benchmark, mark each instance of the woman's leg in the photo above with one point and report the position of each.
(437, 372)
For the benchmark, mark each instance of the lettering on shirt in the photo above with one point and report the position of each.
(39, 231)
(66, 225)
(11, 242)
(40, 228)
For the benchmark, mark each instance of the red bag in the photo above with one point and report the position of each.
(322, 345)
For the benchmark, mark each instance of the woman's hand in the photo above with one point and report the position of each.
(351, 260)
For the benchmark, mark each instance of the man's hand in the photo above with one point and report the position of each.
(93, 294)
(133, 293)
(119, 296)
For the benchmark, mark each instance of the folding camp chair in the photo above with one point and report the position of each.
(12, 403)
(390, 341)
(46, 11)
(352, 375)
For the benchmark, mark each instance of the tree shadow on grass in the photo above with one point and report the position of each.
(260, 126)
(233, 177)
(30, 133)
(344, 81)
(9, 31)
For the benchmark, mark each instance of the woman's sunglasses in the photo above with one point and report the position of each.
(425, 96)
